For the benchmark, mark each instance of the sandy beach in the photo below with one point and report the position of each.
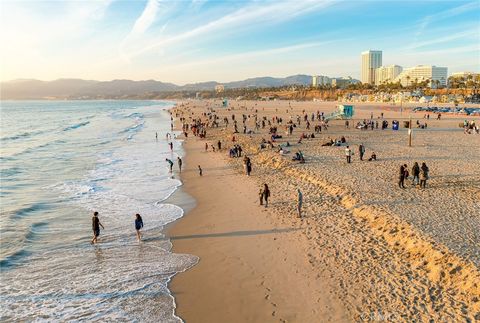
(364, 250)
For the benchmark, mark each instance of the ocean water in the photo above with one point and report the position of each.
(60, 161)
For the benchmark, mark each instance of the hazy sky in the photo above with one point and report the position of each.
(199, 40)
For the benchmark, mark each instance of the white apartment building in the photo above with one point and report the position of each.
(318, 80)
(371, 60)
(386, 74)
(422, 73)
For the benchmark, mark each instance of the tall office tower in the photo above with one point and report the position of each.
(371, 60)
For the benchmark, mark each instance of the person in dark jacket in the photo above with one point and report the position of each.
(401, 177)
(266, 194)
(361, 151)
(138, 226)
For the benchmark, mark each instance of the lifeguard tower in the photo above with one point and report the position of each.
(343, 112)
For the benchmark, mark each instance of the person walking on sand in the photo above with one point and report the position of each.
(171, 146)
(266, 194)
(200, 172)
(206, 146)
(348, 154)
(170, 163)
(180, 162)
(406, 173)
(423, 175)
(138, 226)
(96, 227)
(415, 174)
(401, 177)
(361, 151)
(260, 196)
(299, 202)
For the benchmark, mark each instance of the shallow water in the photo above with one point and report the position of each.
(62, 160)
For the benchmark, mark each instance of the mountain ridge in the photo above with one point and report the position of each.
(23, 89)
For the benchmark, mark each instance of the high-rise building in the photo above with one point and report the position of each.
(433, 74)
(318, 80)
(371, 60)
(386, 74)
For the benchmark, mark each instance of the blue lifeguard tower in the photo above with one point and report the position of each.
(343, 112)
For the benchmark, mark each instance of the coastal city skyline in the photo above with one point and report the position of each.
(188, 42)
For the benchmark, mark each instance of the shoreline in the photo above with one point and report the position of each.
(242, 283)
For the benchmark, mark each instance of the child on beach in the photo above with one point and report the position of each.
(200, 172)
(138, 226)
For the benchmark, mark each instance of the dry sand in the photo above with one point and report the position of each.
(365, 250)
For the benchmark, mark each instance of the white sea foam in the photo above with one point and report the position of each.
(60, 276)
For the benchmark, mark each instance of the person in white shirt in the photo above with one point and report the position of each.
(348, 154)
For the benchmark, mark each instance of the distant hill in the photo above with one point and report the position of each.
(78, 89)
(34, 89)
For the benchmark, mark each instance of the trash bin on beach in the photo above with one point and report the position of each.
(395, 125)
(406, 124)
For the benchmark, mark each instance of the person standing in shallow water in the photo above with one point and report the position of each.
(96, 227)
(138, 226)
(180, 162)
(170, 163)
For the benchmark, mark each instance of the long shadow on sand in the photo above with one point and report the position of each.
(234, 234)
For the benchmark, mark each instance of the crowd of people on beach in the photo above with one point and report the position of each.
(420, 175)
(198, 125)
